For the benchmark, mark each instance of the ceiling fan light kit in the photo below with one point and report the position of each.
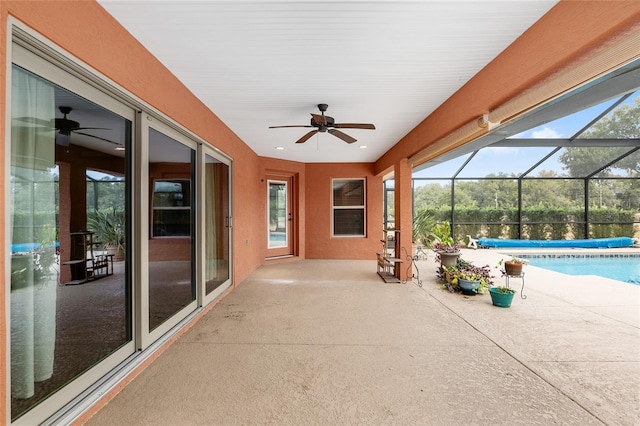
(325, 124)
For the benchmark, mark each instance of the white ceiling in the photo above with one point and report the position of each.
(257, 64)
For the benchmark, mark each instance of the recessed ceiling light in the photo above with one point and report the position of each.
(281, 148)
(120, 148)
(363, 146)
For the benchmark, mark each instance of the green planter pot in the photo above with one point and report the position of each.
(470, 288)
(502, 300)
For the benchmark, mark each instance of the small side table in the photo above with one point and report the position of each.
(519, 276)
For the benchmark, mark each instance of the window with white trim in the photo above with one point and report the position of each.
(348, 207)
(171, 208)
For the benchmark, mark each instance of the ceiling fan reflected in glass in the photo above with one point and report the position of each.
(323, 123)
(65, 126)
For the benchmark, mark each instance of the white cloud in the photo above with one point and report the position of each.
(545, 133)
(499, 150)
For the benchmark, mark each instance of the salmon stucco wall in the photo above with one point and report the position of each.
(248, 228)
(320, 243)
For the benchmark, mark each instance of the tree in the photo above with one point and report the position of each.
(622, 123)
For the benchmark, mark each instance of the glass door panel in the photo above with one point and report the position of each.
(277, 214)
(171, 260)
(279, 217)
(70, 299)
(216, 223)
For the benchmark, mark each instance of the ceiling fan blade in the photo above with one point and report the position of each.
(307, 136)
(279, 127)
(90, 128)
(343, 136)
(98, 137)
(34, 120)
(39, 129)
(354, 126)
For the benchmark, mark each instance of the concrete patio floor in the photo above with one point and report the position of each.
(327, 342)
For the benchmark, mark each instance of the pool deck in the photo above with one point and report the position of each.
(323, 342)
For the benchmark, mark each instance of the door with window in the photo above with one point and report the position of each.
(280, 220)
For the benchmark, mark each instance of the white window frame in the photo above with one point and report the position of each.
(349, 207)
(175, 208)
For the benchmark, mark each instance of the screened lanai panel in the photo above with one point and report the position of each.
(550, 167)
(629, 166)
(584, 161)
(493, 203)
(444, 169)
(503, 161)
(613, 207)
(567, 126)
(622, 122)
(552, 209)
(434, 196)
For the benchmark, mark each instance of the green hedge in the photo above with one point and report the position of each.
(538, 223)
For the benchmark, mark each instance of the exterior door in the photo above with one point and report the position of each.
(279, 217)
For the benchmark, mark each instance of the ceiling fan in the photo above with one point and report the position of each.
(324, 123)
(65, 126)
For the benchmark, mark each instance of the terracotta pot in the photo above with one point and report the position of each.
(513, 268)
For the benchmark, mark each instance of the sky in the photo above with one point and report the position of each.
(518, 159)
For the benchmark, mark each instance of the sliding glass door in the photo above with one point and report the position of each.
(172, 238)
(119, 226)
(216, 225)
(70, 300)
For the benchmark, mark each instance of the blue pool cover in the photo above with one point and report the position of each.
(590, 243)
(27, 247)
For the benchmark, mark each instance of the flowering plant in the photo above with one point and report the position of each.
(513, 260)
(446, 248)
(512, 266)
(470, 272)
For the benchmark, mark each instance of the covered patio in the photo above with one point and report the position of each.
(328, 342)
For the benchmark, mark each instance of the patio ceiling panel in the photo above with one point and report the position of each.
(257, 64)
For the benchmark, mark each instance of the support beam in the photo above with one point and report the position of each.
(403, 213)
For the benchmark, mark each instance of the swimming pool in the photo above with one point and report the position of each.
(625, 268)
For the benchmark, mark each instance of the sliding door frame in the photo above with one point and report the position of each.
(39, 55)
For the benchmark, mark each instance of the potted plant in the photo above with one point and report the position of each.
(447, 252)
(501, 296)
(423, 225)
(512, 267)
(108, 227)
(471, 279)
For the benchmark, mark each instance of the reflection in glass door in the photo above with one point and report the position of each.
(216, 223)
(70, 297)
(172, 284)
